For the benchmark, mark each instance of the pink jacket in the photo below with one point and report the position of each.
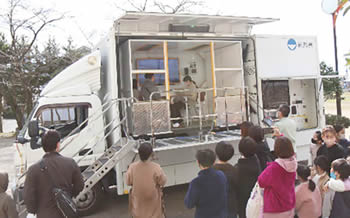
(278, 183)
(308, 203)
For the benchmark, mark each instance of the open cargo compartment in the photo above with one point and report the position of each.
(216, 68)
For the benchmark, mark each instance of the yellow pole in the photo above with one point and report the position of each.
(213, 72)
(166, 67)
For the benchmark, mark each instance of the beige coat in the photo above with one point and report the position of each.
(147, 179)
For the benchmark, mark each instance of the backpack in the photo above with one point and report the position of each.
(255, 203)
(64, 201)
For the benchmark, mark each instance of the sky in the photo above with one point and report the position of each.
(90, 20)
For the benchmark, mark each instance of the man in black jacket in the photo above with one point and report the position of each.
(65, 173)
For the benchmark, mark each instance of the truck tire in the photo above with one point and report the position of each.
(88, 204)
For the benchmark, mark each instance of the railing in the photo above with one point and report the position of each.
(126, 102)
(200, 116)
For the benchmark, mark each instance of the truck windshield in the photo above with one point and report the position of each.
(63, 118)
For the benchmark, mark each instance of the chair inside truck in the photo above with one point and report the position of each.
(214, 66)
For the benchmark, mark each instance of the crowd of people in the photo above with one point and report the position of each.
(221, 190)
(289, 189)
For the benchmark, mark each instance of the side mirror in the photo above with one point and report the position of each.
(35, 143)
(33, 128)
(22, 140)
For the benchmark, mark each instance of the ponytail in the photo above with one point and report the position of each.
(312, 185)
(304, 172)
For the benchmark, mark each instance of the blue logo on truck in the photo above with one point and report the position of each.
(292, 44)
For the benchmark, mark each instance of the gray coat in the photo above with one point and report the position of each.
(147, 88)
(38, 196)
(7, 204)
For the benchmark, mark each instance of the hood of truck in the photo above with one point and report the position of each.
(80, 78)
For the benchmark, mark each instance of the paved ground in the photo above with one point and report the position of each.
(6, 158)
(117, 206)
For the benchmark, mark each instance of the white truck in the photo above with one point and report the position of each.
(241, 77)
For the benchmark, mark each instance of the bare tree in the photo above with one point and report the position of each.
(24, 25)
(172, 7)
(179, 6)
(140, 6)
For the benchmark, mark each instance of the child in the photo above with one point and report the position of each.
(330, 148)
(246, 170)
(208, 191)
(341, 138)
(262, 148)
(7, 204)
(337, 185)
(278, 181)
(308, 196)
(321, 167)
(224, 151)
(244, 128)
(316, 143)
(337, 204)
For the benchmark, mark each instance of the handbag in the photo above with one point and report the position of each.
(255, 203)
(64, 201)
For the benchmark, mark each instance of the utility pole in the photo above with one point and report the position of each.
(337, 94)
(1, 113)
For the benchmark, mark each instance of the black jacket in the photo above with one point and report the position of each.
(228, 170)
(264, 154)
(345, 144)
(246, 171)
(341, 205)
(38, 196)
(331, 153)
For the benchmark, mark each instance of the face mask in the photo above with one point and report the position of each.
(329, 142)
(342, 136)
(333, 176)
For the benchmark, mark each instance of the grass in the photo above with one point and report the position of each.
(7, 135)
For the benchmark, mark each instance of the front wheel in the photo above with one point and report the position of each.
(89, 203)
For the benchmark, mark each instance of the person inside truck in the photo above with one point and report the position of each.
(135, 90)
(178, 102)
(148, 87)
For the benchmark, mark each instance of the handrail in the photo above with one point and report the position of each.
(86, 120)
(125, 101)
(116, 100)
(102, 139)
(199, 90)
(89, 119)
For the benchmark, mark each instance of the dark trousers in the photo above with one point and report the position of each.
(175, 110)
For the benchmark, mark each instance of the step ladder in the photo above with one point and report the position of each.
(95, 172)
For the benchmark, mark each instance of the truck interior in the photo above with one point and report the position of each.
(300, 94)
(214, 66)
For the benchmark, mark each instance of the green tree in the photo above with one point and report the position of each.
(330, 85)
